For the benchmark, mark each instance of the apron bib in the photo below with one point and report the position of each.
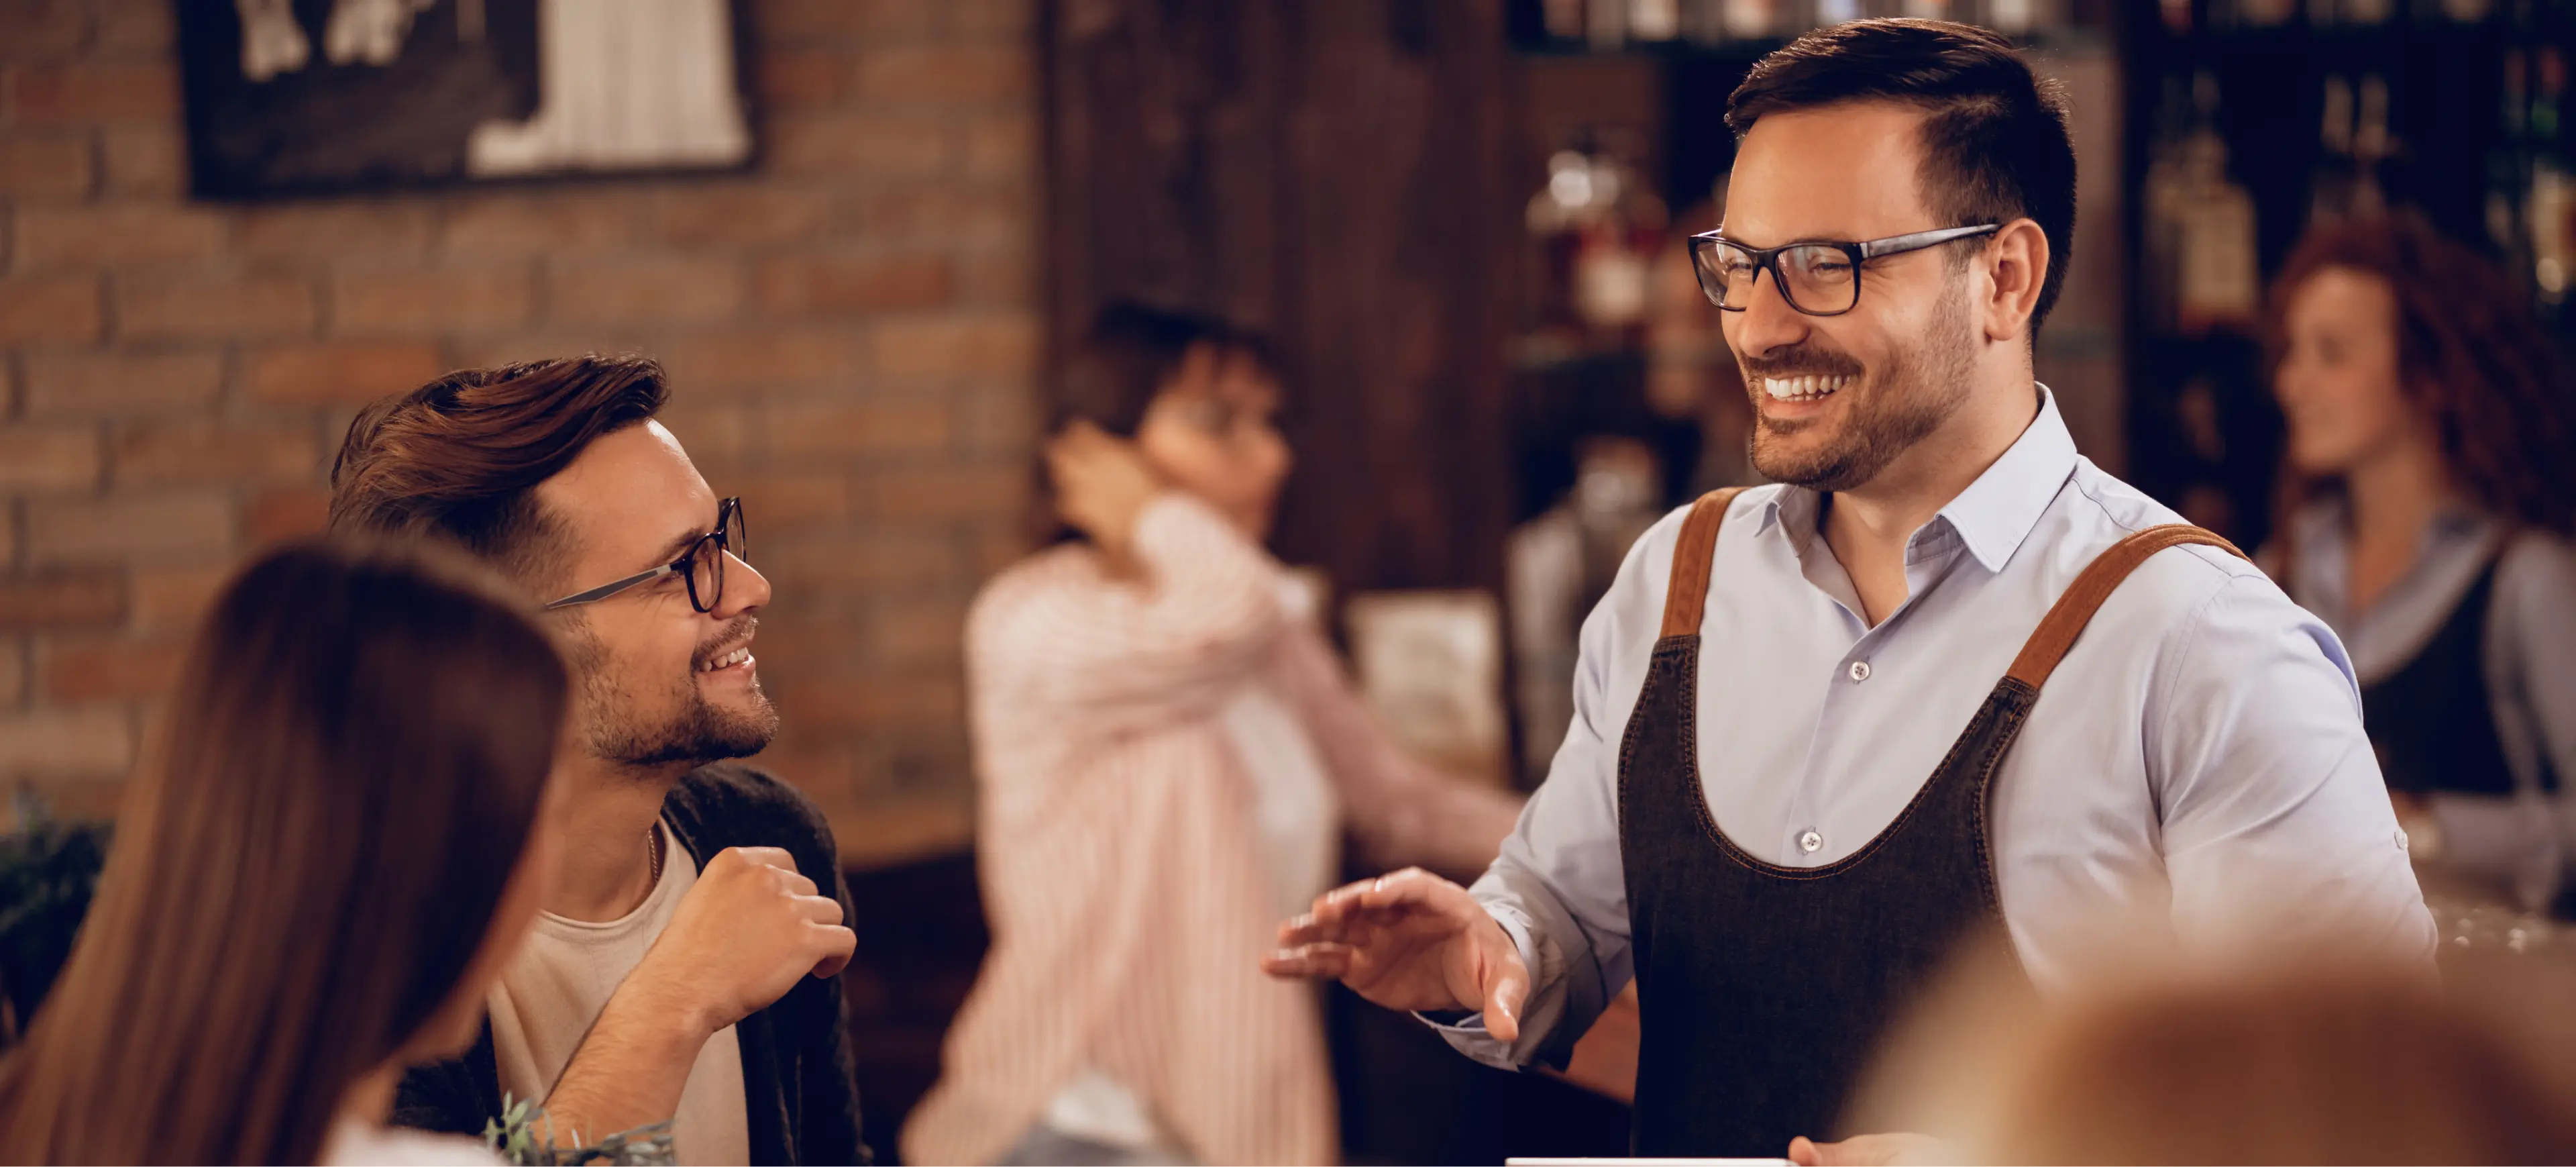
(1764, 990)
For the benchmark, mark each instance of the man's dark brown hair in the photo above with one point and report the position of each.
(1995, 143)
(460, 458)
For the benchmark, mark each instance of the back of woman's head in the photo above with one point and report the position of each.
(2471, 354)
(2350, 1065)
(309, 861)
(1113, 374)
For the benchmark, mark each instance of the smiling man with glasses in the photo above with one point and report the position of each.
(685, 966)
(1947, 686)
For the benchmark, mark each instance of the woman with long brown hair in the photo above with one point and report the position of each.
(322, 864)
(2432, 495)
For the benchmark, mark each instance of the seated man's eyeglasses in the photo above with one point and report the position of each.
(1819, 277)
(702, 564)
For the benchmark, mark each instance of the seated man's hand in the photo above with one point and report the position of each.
(749, 929)
(1868, 1151)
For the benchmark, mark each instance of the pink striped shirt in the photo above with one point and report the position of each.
(1121, 866)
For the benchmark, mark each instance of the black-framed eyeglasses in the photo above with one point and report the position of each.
(1819, 277)
(702, 564)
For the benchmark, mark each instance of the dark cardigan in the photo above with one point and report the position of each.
(799, 1103)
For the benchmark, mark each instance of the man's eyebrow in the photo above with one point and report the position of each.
(672, 550)
(1721, 233)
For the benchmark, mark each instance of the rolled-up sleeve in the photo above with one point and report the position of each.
(2277, 829)
(1558, 888)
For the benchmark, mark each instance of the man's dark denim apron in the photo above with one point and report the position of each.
(1764, 990)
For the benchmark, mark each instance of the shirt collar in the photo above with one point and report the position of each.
(1996, 512)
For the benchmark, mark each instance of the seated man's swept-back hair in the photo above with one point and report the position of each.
(1995, 146)
(459, 458)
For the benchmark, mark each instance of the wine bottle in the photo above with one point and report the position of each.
(1654, 20)
(1752, 19)
(1564, 19)
(2330, 185)
(2552, 197)
(2262, 13)
(2372, 147)
(2505, 181)
(2218, 285)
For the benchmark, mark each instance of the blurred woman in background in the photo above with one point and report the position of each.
(326, 859)
(1168, 754)
(2432, 492)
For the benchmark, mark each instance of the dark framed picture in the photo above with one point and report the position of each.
(305, 97)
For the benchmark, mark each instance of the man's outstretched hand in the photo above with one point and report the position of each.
(1413, 941)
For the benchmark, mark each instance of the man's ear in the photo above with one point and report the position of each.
(2016, 264)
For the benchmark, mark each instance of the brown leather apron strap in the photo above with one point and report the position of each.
(1687, 595)
(2066, 621)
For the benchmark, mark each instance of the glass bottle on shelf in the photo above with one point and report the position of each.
(2257, 13)
(2552, 196)
(1654, 20)
(2505, 182)
(1614, 261)
(2467, 11)
(2330, 187)
(2018, 17)
(1704, 21)
(2372, 147)
(2204, 223)
(1564, 19)
(1755, 19)
(1596, 226)
(1605, 24)
(1552, 219)
(2177, 16)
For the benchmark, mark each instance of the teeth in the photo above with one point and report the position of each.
(728, 660)
(1802, 388)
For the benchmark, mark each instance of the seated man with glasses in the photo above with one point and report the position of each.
(685, 966)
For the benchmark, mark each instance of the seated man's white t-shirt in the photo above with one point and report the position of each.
(563, 976)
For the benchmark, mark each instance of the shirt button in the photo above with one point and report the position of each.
(1860, 670)
(1810, 842)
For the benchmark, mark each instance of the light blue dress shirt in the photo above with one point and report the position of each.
(2196, 766)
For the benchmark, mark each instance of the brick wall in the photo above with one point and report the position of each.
(851, 331)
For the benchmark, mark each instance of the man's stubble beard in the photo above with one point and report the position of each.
(1908, 400)
(701, 731)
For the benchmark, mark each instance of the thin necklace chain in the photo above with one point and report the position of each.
(653, 844)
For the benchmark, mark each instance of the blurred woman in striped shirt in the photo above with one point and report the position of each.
(1168, 755)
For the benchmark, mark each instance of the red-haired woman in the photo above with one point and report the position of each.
(2432, 451)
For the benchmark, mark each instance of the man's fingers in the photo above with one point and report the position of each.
(836, 945)
(1309, 960)
(1503, 1000)
(1308, 929)
(769, 856)
(1804, 1152)
(1410, 886)
(1331, 906)
(819, 909)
